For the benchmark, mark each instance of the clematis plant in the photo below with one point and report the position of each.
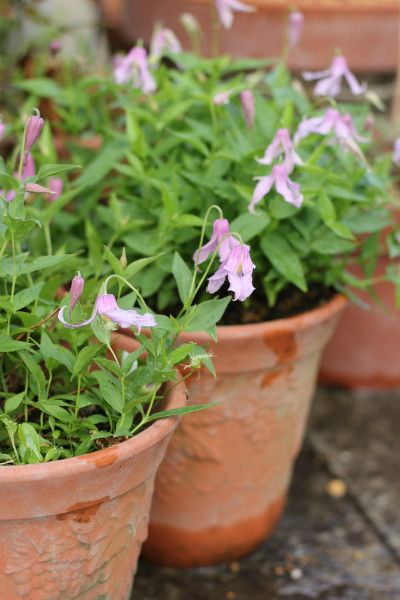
(297, 175)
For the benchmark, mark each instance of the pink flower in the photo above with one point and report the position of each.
(2, 129)
(295, 28)
(164, 40)
(34, 128)
(222, 97)
(341, 126)
(330, 83)
(281, 144)
(238, 268)
(36, 188)
(396, 152)
(220, 237)
(284, 186)
(249, 107)
(55, 47)
(107, 308)
(75, 292)
(226, 8)
(56, 185)
(134, 67)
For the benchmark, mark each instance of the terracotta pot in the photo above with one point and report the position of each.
(366, 31)
(74, 528)
(363, 352)
(223, 484)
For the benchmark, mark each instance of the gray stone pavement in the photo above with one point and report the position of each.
(340, 536)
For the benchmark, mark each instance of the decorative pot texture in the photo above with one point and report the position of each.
(73, 529)
(363, 352)
(366, 31)
(223, 484)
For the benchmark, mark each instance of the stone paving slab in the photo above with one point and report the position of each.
(325, 548)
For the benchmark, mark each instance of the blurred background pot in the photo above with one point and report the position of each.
(366, 31)
(364, 351)
(74, 528)
(223, 484)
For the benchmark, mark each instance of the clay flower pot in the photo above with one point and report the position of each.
(224, 481)
(363, 352)
(74, 528)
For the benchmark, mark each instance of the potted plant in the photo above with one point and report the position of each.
(180, 140)
(82, 430)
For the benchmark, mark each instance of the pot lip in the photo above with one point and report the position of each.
(295, 323)
(114, 455)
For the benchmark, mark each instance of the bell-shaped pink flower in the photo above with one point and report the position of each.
(295, 27)
(107, 308)
(396, 152)
(226, 8)
(56, 185)
(248, 107)
(164, 40)
(238, 268)
(75, 292)
(330, 83)
(281, 144)
(332, 122)
(134, 67)
(34, 128)
(220, 237)
(279, 178)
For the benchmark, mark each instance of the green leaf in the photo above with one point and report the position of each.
(84, 358)
(35, 373)
(180, 353)
(39, 264)
(26, 296)
(7, 344)
(104, 162)
(113, 261)
(56, 352)
(56, 411)
(249, 226)
(172, 412)
(284, 259)
(328, 214)
(138, 265)
(50, 170)
(13, 402)
(94, 244)
(44, 88)
(102, 334)
(205, 315)
(29, 440)
(183, 277)
(111, 394)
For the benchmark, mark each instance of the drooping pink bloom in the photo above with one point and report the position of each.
(107, 308)
(396, 152)
(295, 28)
(34, 128)
(248, 107)
(36, 188)
(134, 67)
(75, 292)
(56, 185)
(330, 83)
(222, 97)
(284, 186)
(219, 237)
(55, 47)
(164, 40)
(2, 129)
(281, 144)
(332, 122)
(226, 8)
(238, 268)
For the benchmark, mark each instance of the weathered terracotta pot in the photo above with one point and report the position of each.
(363, 352)
(73, 529)
(223, 484)
(366, 31)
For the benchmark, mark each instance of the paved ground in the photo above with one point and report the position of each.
(340, 536)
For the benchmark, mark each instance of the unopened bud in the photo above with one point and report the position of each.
(34, 126)
(190, 23)
(75, 292)
(123, 261)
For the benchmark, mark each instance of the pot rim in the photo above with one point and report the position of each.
(176, 398)
(297, 322)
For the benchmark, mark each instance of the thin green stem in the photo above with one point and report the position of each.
(47, 235)
(14, 278)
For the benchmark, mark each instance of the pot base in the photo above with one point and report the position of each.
(211, 546)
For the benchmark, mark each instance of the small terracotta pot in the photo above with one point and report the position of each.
(74, 528)
(223, 484)
(363, 352)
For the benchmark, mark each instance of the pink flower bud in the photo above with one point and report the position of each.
(75, 292)
(34, 127)
(295, 28)
(55, 47)
(248, 106)
(36, 188)
(2, 130)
